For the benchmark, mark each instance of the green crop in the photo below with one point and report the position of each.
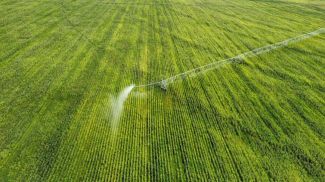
(63, 62)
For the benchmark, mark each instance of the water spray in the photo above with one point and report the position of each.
(117, 106)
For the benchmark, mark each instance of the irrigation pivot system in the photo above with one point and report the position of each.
(237, 59)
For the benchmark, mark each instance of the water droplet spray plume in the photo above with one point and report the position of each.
(117, 106)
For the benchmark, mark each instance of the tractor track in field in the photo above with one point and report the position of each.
(70, 23)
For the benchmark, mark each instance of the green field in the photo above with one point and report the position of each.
(63, 62)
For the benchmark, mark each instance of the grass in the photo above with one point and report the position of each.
(62, 61)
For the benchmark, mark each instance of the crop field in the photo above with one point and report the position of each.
(65, 117)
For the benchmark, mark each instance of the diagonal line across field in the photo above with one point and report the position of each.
(216, 64)
(237, 59)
